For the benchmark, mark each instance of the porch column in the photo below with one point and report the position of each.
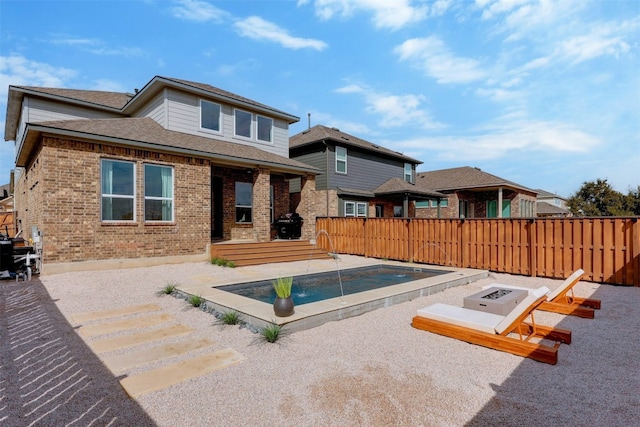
(307, 207)
(405, 205)
(499, 203)
(261, 205)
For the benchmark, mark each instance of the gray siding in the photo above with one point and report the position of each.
(155, 109)
(317, 160)
(35, 110)
(364, 171)
(183, 115)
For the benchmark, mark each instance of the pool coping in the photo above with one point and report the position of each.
(306, 316)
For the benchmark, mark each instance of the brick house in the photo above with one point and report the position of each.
(473, 193)
(551, 205)
(160, 172)
(360, 179)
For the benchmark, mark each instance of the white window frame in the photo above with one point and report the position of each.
(350, 209)
(250, 206)
(270, 120)
(112, 195)
(235, 124)
(341, 158)
(169, 199)
(206, 129)
(408, 173)
(355, 209)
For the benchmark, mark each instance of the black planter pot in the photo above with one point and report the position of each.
(283, 307)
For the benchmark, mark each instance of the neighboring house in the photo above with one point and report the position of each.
(360, 179)
(159, 172)
(6, 198)
(551, 205)
(472, 193)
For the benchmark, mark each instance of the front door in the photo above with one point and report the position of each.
(216, 207)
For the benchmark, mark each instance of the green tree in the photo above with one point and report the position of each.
(599, 199)
(633, 200)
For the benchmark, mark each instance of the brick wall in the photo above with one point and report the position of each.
(60, 193)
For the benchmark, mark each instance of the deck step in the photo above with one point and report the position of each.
(255, 253)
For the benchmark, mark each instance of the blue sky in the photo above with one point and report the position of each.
(543, 93)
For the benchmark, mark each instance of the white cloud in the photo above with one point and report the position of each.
(395, 110)
(200, 11)
(433, 57)
(19, 71)
(501, 140)
(386, 14)
(257, 28)
(96, 46)
(602, 39)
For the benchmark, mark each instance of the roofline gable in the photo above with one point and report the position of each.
(345, 139)
(158, 83)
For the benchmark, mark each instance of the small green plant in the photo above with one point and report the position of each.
(169, 288)
(221, 262)
(282, 286)
(271, 333)
(196, 300)
(230, 317)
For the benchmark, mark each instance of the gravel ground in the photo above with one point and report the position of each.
(370, 370)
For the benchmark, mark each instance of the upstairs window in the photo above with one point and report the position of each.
(408, 172)
(265, 129)
(158, 193)
(210, 116)
(118, 190)
(243, 124)
(341, 160)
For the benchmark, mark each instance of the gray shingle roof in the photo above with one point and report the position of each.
(319, 133)
(400, 186)
(146, 131)
(545, 208)
(463, 178)
(115, 100)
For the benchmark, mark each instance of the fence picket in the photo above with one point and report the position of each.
(608, 249)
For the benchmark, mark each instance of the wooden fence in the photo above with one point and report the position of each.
(607, 249)
(6, 223)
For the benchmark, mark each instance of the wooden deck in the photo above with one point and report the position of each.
(254, 253)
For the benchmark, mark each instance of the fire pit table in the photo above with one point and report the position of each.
(495, 300)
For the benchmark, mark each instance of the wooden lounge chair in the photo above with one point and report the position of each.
(561, 300)
(511, 333)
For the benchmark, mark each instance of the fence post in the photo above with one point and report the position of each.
(532, 248)
(635, 251)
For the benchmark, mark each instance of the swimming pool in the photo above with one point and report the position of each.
(311, 288)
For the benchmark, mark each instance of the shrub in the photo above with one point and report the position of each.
(230, 317)
(196, 300)
(271, 333)
(168, 289)
(221, 262)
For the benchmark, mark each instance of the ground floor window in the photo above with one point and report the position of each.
(492, 209)
(398, 212)
(244, 202)
(357, 209)
(158, 193)
(526, 208)
(379, 211)
(117, 183)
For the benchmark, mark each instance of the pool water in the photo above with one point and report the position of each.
(321, 286)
